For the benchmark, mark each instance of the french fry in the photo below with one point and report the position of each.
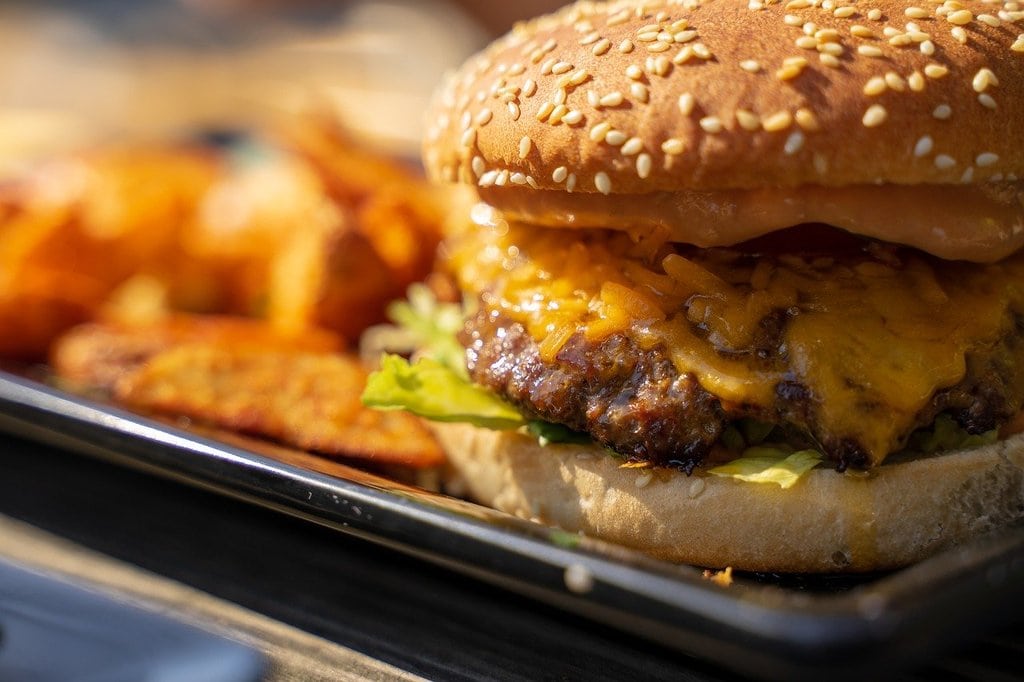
(307, 400)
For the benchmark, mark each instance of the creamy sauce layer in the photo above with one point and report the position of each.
(982, 223)
(871, 335)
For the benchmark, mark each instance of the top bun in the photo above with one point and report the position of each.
(634, 97)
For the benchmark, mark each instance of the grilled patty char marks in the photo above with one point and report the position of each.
(637, 403)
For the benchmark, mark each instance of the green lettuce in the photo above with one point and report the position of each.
(434, 391)
(769, 464)
(431, 327)
(946, 434)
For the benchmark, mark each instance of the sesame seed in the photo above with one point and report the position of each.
(643, 166)
(556, 116)
(874, 116)
(870, 51)
(529, 88)
(634, 72)
(702, 51)
(875, 86)
(792, 20)
(517, 178)
(513, 110)
(960, 17)
(590, 39)
(829, 60)
(711, 124)
(944, 162)
(923, 146)
(687, 103)
(1018, 45)
(488, 178)
(916, 81)
(968, 175)
(826, 35)
(683, 55)
(794, 142)
(935, 70)
(572, 118)
(593, 99)
(861, 31)
(942, 112)
(684, 36)
(844, 12)
(748, 120)
(986, 159)
(560, 174)
(615, 137)
(502, 179)
(647, 36)
(598, 132)
(603, 183)
(959, 34)
(484, 117)
(570, 183)
(983, 79)
(561, 94)
(927, 47)
(626, 46)
(916, 12)
(612, 99)
(891, 32)
(986, 100)
(789, 71)
(874, 14)
(673, 146)
(601, 47)
(806, 43)
(561, 67)
(806, 119)
(548, 66)
(809, 28)
(895, 81)
(478, 165)
(545, 111)
(750, 65)
(659, 46)
(632, 146)
(780, 120)
(468, 137)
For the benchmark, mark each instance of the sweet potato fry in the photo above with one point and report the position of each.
(96, 356)
(308, 400)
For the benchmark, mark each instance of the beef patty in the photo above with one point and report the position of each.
(637, 403)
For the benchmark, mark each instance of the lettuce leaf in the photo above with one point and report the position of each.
(434, 391)
(946, 434)
(767, 464)
(431, 327)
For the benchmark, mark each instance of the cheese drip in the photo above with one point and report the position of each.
(870, 335)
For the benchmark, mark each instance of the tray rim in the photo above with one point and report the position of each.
(756, 629)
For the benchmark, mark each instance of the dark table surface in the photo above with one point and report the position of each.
(413, 615)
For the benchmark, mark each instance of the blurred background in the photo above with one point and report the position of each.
(74, 73)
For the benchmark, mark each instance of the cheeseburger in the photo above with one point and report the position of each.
(763, 257)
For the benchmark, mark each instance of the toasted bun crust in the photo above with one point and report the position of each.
(828, 522)
(717, 95)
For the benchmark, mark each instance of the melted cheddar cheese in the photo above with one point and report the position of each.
(870, 336)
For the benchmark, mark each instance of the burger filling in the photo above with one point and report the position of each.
(847, 346)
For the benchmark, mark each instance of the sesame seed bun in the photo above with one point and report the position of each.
(891, 516)
(593, 100)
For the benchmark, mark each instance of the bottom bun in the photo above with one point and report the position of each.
(891, 516)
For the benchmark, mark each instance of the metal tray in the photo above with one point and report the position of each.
(763, 626)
